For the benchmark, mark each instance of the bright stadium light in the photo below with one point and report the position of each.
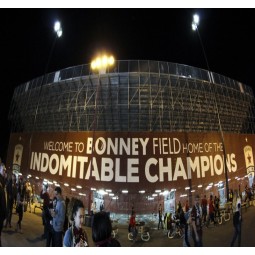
(196, 19)
(101, 63)
(58, 29)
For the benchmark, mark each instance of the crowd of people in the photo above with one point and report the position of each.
(14, 194)
(63, 219)
(202, 213)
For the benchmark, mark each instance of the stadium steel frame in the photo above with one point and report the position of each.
(134, 95)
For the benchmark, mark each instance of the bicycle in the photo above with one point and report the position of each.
(142, 230)
(115, 228)
(226, 214)
(175, 230)
(218, 218)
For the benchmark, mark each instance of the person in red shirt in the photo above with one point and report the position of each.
(211, 211)
(132, 224)
(187, 206)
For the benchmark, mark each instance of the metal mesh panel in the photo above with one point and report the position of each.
(133, 96)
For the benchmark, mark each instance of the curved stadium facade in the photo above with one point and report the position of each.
(140, 126)
(134, 96)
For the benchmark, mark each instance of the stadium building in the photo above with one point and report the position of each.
(139, 132)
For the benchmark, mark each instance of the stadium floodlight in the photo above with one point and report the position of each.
(196, 19)
(58, 29)
(101, 63)
(195, 24)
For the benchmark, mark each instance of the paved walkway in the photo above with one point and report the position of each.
(219, 236)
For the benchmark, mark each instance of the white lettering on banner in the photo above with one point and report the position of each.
(118, 177)
(233, 162)
(107, 170)
(44, 162)
(37, 160)
(179, 170)
(58, 146)
(218, 165)
(54, 170)
(130, 170)
(116, 146)
(165, 170)
(194, 166)
(205, 166)
(82, 161)
(89, 145)
(149, 177)
(192, 148)
(32, 160)
(94, 171)
(65, 163)
(166, 146)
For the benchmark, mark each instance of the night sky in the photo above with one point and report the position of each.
(165, 34)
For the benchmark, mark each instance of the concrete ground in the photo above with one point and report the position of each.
(219, 236)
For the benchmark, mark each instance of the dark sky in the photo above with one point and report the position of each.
(165, 34)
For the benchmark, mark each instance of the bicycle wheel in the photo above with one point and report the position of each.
(228, 216)
(130, 236)
(171, 233)
(219, 219)
(115, 231)
(145, 236)
(181, 233)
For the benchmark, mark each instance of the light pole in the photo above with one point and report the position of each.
(195, 24)
(58, 30)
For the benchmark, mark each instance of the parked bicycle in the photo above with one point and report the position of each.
(115, 228)
(225, 214)
(142, 230)
(175, 230)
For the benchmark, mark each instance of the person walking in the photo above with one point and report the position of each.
(101, 206)
(49, 223)
(20, 205)
(204, 209)
(196, 219)
(93, 211)
(160, 211)
(237, 221)
(187, 229)
(46, 202)
(75, 236)
(58, 216)
(132, 226)
(11, 190)
(211, 212)
(217, 206)
(28, 195)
